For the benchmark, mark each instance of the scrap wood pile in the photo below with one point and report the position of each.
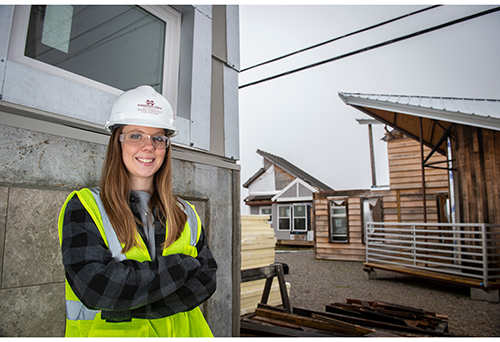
(355, 318)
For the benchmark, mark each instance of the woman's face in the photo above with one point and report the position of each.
(142, 162)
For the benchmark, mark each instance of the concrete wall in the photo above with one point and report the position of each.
(45, 154)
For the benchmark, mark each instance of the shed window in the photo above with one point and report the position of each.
(120, 45)
(338, 221)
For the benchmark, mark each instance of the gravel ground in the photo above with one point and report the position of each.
(316, 283)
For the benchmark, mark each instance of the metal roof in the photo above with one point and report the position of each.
(290, 168)
(435, 115)
(483, 113)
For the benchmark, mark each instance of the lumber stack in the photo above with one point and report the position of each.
(275, 322)
(390, 316)
(257, 250)
(356, 318)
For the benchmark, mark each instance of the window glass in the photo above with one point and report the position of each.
(299, 224)
(299, 210)
(338, 221)
(267, 211)
(284, 211)
(284, 224)
(299, 217)
(121, 46)
(284, 220)
(338, 211)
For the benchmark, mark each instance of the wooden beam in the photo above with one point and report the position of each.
(333, 325)
(257, 329)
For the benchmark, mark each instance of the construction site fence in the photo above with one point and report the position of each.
(470, 250)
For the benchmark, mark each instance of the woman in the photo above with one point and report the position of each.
(135, 256)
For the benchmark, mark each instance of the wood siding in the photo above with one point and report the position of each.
(354, 249)
(402, 203)
(477, 154)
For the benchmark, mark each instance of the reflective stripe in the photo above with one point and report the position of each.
(77, 311)
(192, 221)
(113, 243)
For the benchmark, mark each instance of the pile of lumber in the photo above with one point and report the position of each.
(390, 317)
(257, 241)
(356, 318)
(257, 250)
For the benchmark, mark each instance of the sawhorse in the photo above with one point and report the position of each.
(268, 273)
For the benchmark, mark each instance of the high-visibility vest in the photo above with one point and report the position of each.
(84, 322)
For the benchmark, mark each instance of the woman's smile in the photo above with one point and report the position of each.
(142, 162)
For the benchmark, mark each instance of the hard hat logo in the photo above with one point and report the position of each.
(149, 108)
(143, 106)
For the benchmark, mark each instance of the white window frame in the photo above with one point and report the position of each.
(300, 217)
(331, 216)
(270, 216)
(171, 55)
(289, 217)
(291, 227)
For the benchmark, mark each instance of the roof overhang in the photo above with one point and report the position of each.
(416, 121)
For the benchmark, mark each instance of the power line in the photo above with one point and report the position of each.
(341, 37)
(388, 42)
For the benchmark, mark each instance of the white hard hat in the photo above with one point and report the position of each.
(142, 106)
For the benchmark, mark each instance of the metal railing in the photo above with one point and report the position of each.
(468, 250)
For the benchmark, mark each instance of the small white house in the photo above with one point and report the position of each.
(284, 192)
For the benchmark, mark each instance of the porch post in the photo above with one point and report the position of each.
(423, 168)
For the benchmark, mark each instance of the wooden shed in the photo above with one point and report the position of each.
(340, 216)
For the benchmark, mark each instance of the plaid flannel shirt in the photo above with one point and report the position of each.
(131, 289)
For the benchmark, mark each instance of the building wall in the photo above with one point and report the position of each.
(354, 249)
(402, 203)
(477, 154)
(45, 155)
(282, 178)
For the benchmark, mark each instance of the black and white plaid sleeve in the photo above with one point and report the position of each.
(195, 291)
(101, 283)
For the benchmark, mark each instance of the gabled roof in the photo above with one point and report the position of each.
(254, 177)
(300, 191)
(291, 169)
(403, 112)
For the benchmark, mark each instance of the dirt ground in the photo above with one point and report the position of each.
(316, 283)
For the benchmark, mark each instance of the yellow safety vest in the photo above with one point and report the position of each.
(83, 322)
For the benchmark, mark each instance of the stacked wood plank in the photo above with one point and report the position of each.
(402, 319)
(257, 250)
(356, 318)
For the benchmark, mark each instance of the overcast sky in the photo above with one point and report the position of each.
(301, 118)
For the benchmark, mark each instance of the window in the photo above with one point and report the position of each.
(338, 221)
(109, 47)
(372, 211)
(121, 46)
(294, 217)
(299, 218)
(267, 211)
(284, 217)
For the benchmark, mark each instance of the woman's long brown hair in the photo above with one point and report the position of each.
(115, 195)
